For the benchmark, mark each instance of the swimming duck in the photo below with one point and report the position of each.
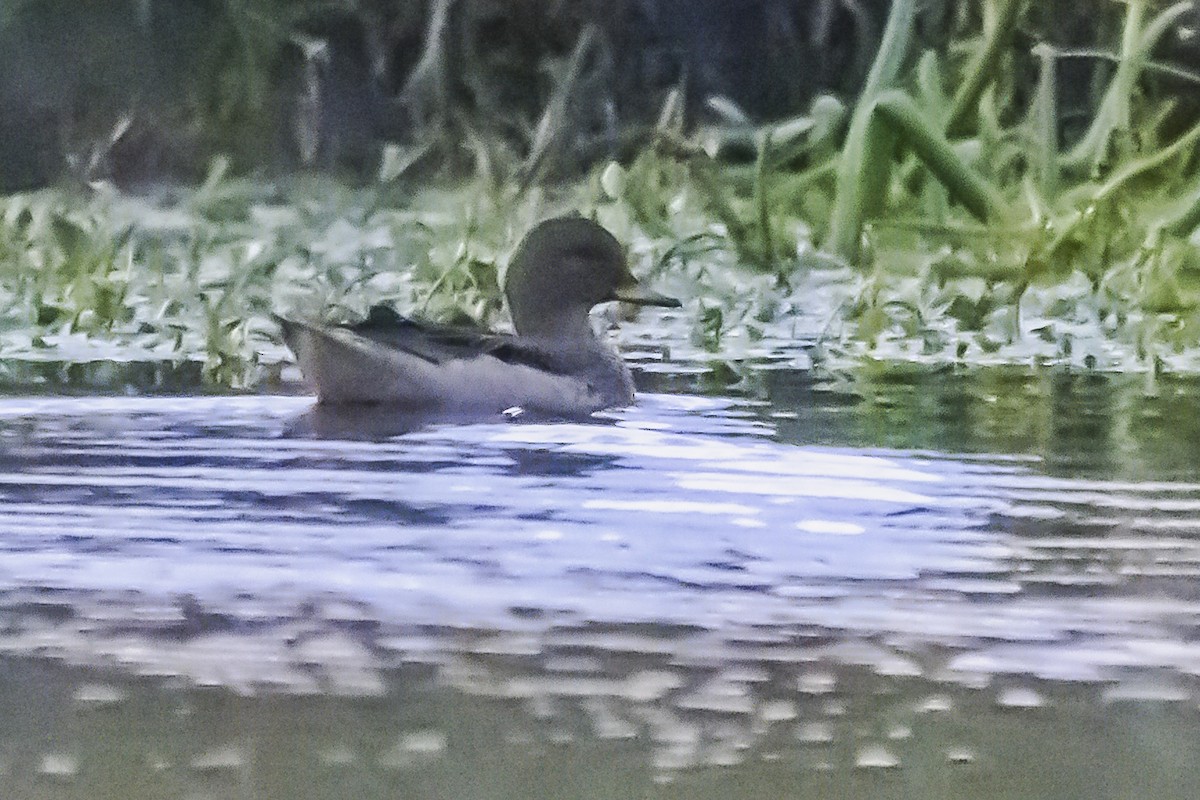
(554, 364)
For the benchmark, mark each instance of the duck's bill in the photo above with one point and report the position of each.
(642, 296)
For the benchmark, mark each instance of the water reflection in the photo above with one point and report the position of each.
(697, 596)
(1136, 426)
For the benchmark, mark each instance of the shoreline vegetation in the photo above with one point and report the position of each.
(991, 190)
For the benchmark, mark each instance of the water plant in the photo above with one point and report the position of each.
(948, 214)
(963, 207)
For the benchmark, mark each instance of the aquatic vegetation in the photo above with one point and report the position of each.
(975, 233)
(947, 215)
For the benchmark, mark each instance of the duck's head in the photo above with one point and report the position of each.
(562, 268)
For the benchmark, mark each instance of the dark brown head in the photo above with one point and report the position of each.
(562, 268)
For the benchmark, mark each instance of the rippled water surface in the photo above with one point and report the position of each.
(925, 584)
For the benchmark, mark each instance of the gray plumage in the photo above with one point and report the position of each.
(554, 363)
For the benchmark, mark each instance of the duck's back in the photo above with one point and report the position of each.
(414, 364)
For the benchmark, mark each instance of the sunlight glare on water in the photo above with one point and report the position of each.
(679, 573)
(614, 521)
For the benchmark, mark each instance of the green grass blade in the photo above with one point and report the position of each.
(982, 69)
(864, 156)
(1113, 115)
(1043, 122)
(919, 133)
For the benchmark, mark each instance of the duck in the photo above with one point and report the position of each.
(554, 363)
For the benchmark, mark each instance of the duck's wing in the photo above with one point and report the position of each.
(437, 343)
(418, 365)
(415, 365)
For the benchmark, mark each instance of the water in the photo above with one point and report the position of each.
(914, 583)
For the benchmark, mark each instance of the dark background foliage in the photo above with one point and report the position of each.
(146, 90)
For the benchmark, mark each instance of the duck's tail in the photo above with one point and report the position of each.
(289, 328)
(343, 367)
